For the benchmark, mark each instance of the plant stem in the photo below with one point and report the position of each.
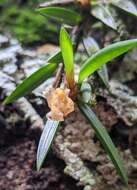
(58, 77)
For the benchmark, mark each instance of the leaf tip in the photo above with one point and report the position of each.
(62, 30)
(6, 101)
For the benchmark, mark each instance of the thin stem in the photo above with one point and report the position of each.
(58, 77)
(77, 32)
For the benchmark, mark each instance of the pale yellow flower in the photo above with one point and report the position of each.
(59, 103)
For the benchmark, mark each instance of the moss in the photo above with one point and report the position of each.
(27, 25)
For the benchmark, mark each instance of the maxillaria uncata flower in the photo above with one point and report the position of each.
(59, 103)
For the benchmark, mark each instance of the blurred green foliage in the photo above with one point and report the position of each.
(24, 23)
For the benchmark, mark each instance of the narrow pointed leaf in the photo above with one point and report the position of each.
(67, 54)
(46, 140)
(105, 140)
(32, 82)
(61, 15)
(102, 13)
(126, 5)
(104, 56)
(103, 74)
(92, 47)
(55, 58)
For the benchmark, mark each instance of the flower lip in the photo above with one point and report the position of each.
(60, 103)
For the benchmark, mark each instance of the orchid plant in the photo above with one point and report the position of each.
(67, 92)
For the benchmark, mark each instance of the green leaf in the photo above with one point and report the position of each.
(46, 140)
(86, 92)
(92, 47)
(102, 13)
(67, 54)
(32, 82)
(55, 58)
(104, 139)
(61, 15)
(103, 74)
(126, 5)
(104, 56)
